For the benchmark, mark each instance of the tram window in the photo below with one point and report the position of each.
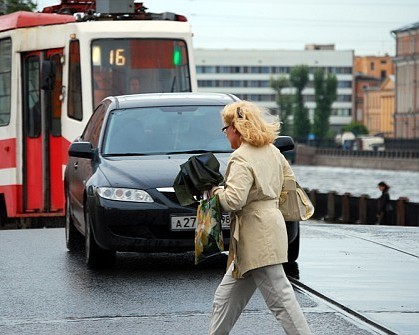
(160, 65)
(75, 110)
(5, 80)
(32, 97)
(55, 98)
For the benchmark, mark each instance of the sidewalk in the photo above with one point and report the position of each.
(373, 270)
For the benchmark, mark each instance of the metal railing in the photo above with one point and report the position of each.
(345, 208)
(366, 153)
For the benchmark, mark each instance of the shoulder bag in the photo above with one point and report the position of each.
(294, 203)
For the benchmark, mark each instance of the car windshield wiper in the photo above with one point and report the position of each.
(222, 151)
(128, 154)
(198, 151)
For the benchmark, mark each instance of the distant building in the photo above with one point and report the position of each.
(370, 71)
(319, 47)
(361, 84)
(374, 66)
(247, 73)
(379, 108)
(406, 116)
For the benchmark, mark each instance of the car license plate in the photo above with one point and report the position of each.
(188, 222)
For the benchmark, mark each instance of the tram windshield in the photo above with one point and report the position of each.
(130, 66)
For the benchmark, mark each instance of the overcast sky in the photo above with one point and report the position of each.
(360, 25)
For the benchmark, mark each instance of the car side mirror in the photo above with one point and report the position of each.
(81, 150)
(284, 143)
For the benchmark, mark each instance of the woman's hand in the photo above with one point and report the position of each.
(214, 190)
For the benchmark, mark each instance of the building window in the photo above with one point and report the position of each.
(267, 97)
(344, 84)
(344, 98)
(342, 112)
(265, 83)
(309, 98)
(206, 83)
(253, 83)
(372, 66)
(337, 69)
(208, 69)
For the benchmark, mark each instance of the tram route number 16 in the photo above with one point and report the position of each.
(117, 57)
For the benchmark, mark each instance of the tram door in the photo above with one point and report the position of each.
(41, 128)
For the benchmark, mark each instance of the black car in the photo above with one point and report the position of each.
(120, 174)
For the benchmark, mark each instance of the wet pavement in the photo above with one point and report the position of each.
(373, 270)
(46, 290)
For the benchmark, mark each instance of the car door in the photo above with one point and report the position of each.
(81, 169)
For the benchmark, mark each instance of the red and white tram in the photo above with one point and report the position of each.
(55, 66)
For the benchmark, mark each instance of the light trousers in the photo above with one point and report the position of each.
(232, 296)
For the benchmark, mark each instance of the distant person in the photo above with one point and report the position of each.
(385, 211)
(134, 85)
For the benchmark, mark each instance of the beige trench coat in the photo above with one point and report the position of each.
(253, 183)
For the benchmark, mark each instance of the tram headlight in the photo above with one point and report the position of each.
(124, 194)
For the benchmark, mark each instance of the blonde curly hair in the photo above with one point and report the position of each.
(255, 125)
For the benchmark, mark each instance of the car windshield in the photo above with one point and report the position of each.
(164, 130)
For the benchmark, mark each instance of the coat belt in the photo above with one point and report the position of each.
(254, 205)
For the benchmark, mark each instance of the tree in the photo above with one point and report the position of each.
(325, 88)
(11, 6)
(284, 102)
(357, 128)
(299, 80)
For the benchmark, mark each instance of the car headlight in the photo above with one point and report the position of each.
(124, 194)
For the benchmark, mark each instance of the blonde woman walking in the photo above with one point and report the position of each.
(258, 243)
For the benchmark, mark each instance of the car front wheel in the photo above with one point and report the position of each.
(96, 257)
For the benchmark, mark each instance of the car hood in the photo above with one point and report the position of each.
(145, 172)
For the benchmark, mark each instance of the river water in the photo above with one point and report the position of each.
(358, 181)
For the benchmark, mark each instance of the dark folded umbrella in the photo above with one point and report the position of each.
(200, 173)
